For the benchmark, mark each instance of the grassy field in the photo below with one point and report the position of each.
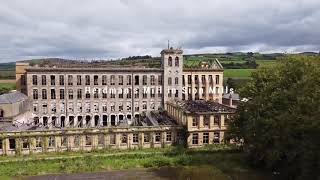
(215, 161)
(238, 73)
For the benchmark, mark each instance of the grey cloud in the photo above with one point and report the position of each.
(111, 29)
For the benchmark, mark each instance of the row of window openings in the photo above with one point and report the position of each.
(96, 80)
(205, 138)
(176, 61)
(87, 107)
(55, 122)
(25, 143)
(203, 79)
(206, 121)
(121, 95)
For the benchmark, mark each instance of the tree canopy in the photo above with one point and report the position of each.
(279, 126)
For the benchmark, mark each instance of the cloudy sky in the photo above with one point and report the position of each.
(101, 29)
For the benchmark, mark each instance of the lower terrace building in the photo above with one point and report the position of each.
(96, 106)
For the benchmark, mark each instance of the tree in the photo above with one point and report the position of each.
(279, 126)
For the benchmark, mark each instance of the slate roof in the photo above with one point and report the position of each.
(201, 106)
(12, 97)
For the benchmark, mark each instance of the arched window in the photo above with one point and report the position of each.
(176, 62)
(176, 80)
(170, 61)
(169, 81)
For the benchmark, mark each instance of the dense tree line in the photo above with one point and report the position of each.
(279, 126)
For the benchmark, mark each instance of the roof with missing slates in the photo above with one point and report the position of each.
(202, 107)
(13, 97)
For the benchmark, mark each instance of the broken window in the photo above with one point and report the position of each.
(61, 80)
(12, 144)
(79, 93)
(194, 121)
(34, 80)
(79, 105)
(62, 107)
(128, 106)
(44, 94)
(217, 79)
(44, 80)
(96, 107)
(128, 79)
(168, 138)
(88, 140)
(169, 80)
(53, 108)
(51, 141)
(87, 107)
(104, 107)
(70, 107)
(129, 93)
(158, 137)
(96, 93)
(136, 80)
(136, 106)
(144, 80)
(38, 142)
(176, 80)
(136, 93)
(170, 61)
(112, 106)
(87, 80)
(120, 80)
(205, 138)
(135, 138)
(70, 80)
(25, 143)
(61, 93)
(35, 94)
(104, 80)
(120, 93)
(124, 138)
(53, 80)
(112, 80)
(120, 106)
(144, 105)
(195, 137)
(78, 79)
(35, 108)
(95, 80)
(216, 137)
(152, 80)
(152, 105)
(146, 137)
(176, 61)
(160, 80)
(44, 108)
(70, 93)
(53, 94)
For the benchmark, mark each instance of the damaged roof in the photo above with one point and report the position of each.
(203, 107)
(12, 97)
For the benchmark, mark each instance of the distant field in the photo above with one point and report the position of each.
(264, 63)
(238, 73)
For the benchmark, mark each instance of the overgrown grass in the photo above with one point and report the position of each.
(223, 159)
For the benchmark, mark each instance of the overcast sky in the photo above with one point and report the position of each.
(102, 29)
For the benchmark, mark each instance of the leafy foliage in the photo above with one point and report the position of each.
(279, 127)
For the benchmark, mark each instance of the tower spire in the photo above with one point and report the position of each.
(168, 44)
